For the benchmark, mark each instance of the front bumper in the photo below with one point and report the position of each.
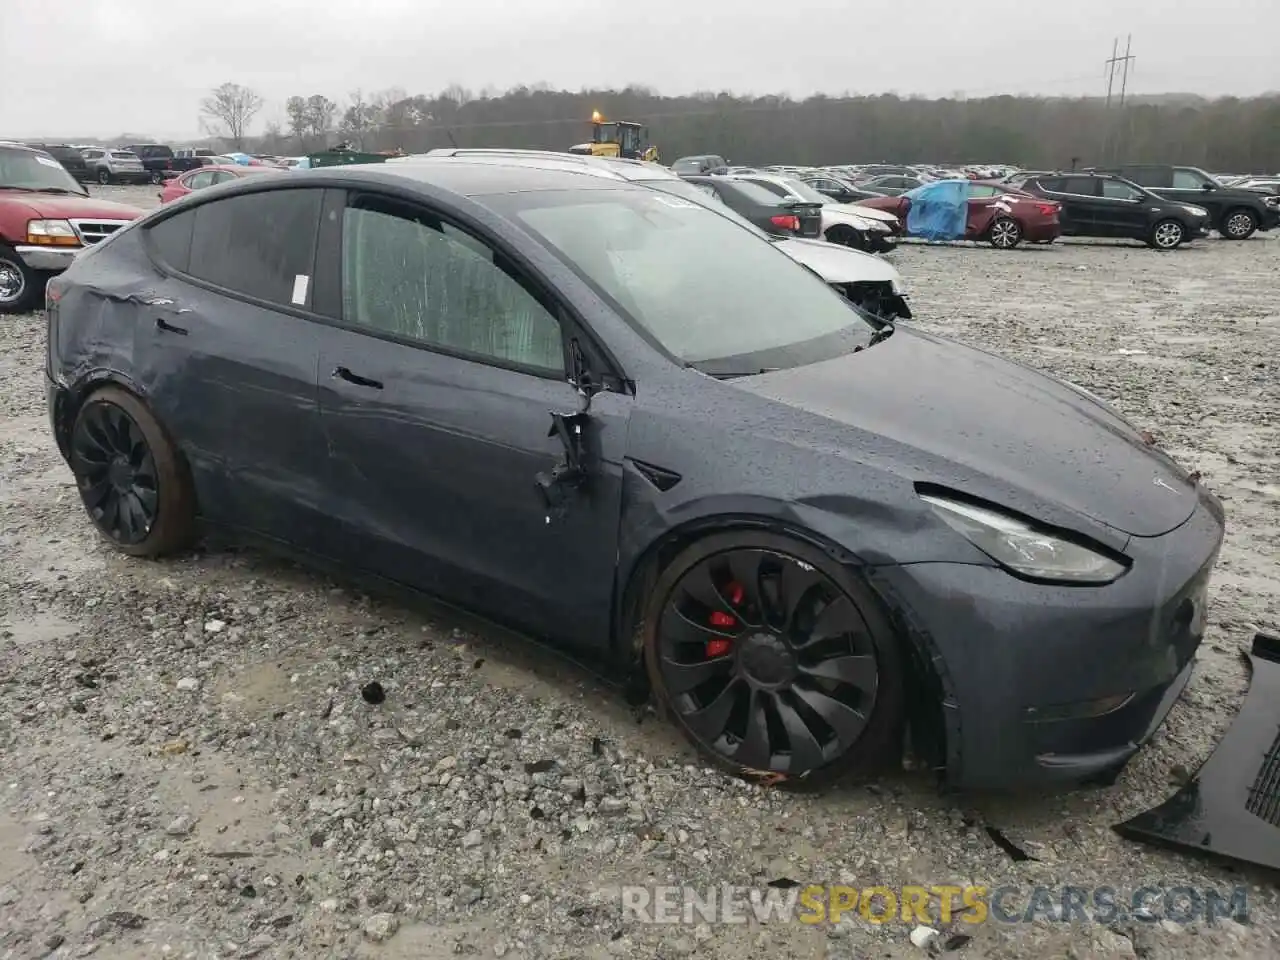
(1271, 219)
(1056, 684)
(47, 259)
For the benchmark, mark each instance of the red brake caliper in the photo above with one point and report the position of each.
(725, 621)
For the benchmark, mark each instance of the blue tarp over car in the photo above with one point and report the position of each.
(939, 210)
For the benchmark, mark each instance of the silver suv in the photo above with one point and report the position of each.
(114, 166)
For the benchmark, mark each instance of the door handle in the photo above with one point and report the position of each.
(342, 373)
(165, 326)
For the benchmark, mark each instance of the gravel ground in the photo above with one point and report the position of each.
(187, 766)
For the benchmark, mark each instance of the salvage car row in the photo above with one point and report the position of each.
(1161, 205)
(556, 390)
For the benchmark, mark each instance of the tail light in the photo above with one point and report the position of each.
(787, 221)
(1048, 209)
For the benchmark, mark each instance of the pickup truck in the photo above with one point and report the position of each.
(46, 218)
(163, 163)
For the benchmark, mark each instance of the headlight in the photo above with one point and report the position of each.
(1024, 549)
(1196, 211)
(52, 233)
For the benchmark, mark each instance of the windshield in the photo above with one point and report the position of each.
(33, 170)
(711, 294)
(804, 191)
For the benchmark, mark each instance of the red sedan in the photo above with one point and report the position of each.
(179, 187)
(1001, 215)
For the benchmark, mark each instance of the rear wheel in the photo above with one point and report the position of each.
(132, 481)
(157, 176)
(1239, 224)
(104, 176)
(1005, 233)
(1167, 235)
(774, 660)
(20, 286)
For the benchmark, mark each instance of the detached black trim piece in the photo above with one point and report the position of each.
(1232, 806)
(660, 477)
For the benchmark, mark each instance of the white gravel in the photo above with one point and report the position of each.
(187, 767)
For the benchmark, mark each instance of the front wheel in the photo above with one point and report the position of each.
(847, 237)
(1167, 235)
(1006, 233)
(1239, 224)
(20, 286)
(773, 660)
(132, 480)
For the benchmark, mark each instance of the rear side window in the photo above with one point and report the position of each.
(1080, 186)
(1150, 176)
(170, 240)
(260, 245)
(757, 193)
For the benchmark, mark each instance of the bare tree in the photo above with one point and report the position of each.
(320, 113)
(229, 110)
(295, 108)
(358, 119)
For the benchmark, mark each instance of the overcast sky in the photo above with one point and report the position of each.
(103, 67)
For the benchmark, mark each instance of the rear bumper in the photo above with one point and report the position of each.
(1042, 231)
(47, 259)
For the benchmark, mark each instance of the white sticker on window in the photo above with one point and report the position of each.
(47, 162)
(300, 289)
(676, 202)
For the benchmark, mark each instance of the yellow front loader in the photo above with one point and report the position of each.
(617, 138)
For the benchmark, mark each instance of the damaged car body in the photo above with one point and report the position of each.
(1231, 807)
(614, 418)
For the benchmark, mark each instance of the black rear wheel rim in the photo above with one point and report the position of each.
(116, 472)
(767, 661)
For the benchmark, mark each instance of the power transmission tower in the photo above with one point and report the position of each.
(1111, 69)
(1112, 63)
(1127, 58)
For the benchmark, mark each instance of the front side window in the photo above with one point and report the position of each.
(416, 277)
(708, 292)
(29, 170)
(260, 245)
(1188, 179)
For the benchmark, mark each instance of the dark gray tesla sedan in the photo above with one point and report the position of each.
(612, 417)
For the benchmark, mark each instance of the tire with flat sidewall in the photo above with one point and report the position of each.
(881, 741)
(1239, 211)
(174, 527)
(1017, 237)
(32, 292)
(1182, 237)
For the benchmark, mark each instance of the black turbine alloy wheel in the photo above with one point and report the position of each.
(769, 664)
(116, 472)
(132, 480)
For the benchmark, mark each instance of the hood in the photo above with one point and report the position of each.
(837, 264)
(48, 206)
(1029, 434)
(867, 213)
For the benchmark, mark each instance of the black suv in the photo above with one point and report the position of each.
(71, 159)
(1235, 214)
(1102, 205)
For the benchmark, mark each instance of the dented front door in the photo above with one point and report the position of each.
(432, 463)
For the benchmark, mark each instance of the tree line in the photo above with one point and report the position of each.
(1222, 135)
